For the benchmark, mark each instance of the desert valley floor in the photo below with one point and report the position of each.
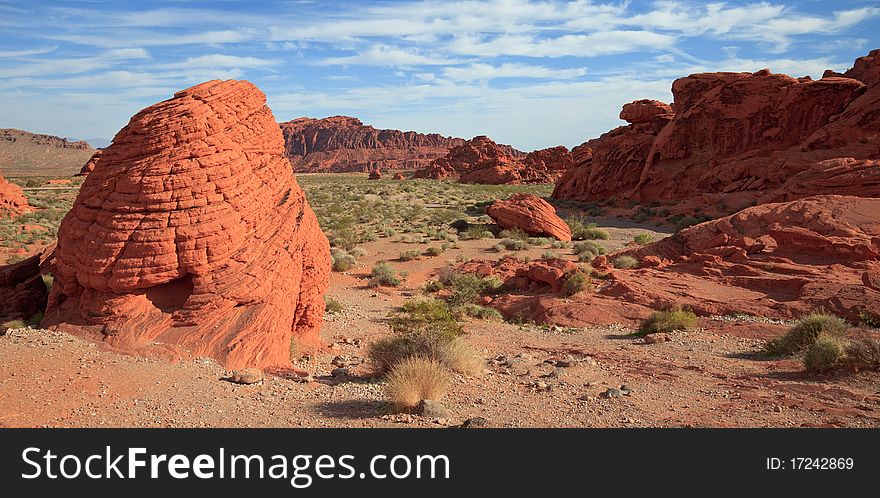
(534, 375)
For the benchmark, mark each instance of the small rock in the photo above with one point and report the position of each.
(476, 423)
(246, 376)
(432, 409)
(612, 393)
(339, 361)
(657, 338)
(564, 363)
(625, 389)
(339, 372)
(305, 379)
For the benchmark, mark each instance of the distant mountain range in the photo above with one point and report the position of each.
(24, 153)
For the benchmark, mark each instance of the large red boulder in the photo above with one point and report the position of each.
(375, 174)
(531, 214)
(344, 144)
(12, 199)
(193, 238)
(736, 139)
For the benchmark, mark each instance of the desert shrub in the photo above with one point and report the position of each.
(432, 286)
(864, 352)
(514, 244)
(538, 241)
(548, 255)
(559, 244)
(578, 281)
(476, 232)
(358, 252)
(479, 312)
(416, 379)
(345, 239)
(383, 275)
(581, 229)
(35, 319)
(589, 247)
(12, 324)
(667, 321)
(342, 260)
(625, 262)
(466, 288)
(823, 354)
(48, 281)
(868, 320)
(498, 248)
(424, 329)
(515, 233)
(686, 221)
(805, 332)
(409, 255)
(332, 305)
(433, 251)
(642, 239)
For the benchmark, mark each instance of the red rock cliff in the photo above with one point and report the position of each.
(341, 144)
(12, 199)
(193, 238)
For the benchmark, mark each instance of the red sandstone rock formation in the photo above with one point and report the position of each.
(481, 160)
(343, 144)
(741, 138)
(375, 174)
(193, 238)
(398, 176)
(780, 260)
(91, 164)
(12, 199)
(22, 291)
(531, 214)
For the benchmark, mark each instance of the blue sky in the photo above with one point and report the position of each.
(531, 74)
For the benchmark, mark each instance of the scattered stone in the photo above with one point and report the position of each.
(339, 372)
(246, 376)
(657, 338)
(432, 409)
(612, 393)
(476, 423)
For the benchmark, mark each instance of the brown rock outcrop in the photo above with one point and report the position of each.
(531, 214)
(12, 199)
(89, 166)
(193, 238)
(398, 176)
(343, 144)
(22, 291)
(736, 139)
(375, 175)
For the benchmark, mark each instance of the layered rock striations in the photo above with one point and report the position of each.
(193, 238)
(531, 214)
(737, 139)
(343, 144)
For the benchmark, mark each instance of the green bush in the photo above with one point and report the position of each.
(581, 229)
(514, 244)
(514, 233)
(432, 286)
(476, 232)
(12, 324)
(342, 260)
(824, 353)
(383, 275)
(430, 314)
(588, 249)
(864, 352)
(479, 312)
(805, 332)
(332, 305)
(433, 251)
(642, 239)
(667, 321)
(548, 255)
(465, 288)
(625, 262)
(579, 281)
(409, 255)
(48, 281)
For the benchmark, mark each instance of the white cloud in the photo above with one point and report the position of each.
(387, 55)
(26, 52)
(475, 72)
(222, 61)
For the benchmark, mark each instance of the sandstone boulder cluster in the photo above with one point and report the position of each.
(193, 238)
(89, 166)
(737, 139)
(481, 160)
(341, 144)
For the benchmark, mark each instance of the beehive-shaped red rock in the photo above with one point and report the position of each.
(193, 238)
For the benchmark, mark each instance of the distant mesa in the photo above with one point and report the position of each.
(192, 238)
(738, 139)
(24, 153)
(342, 144)
(481, 160)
